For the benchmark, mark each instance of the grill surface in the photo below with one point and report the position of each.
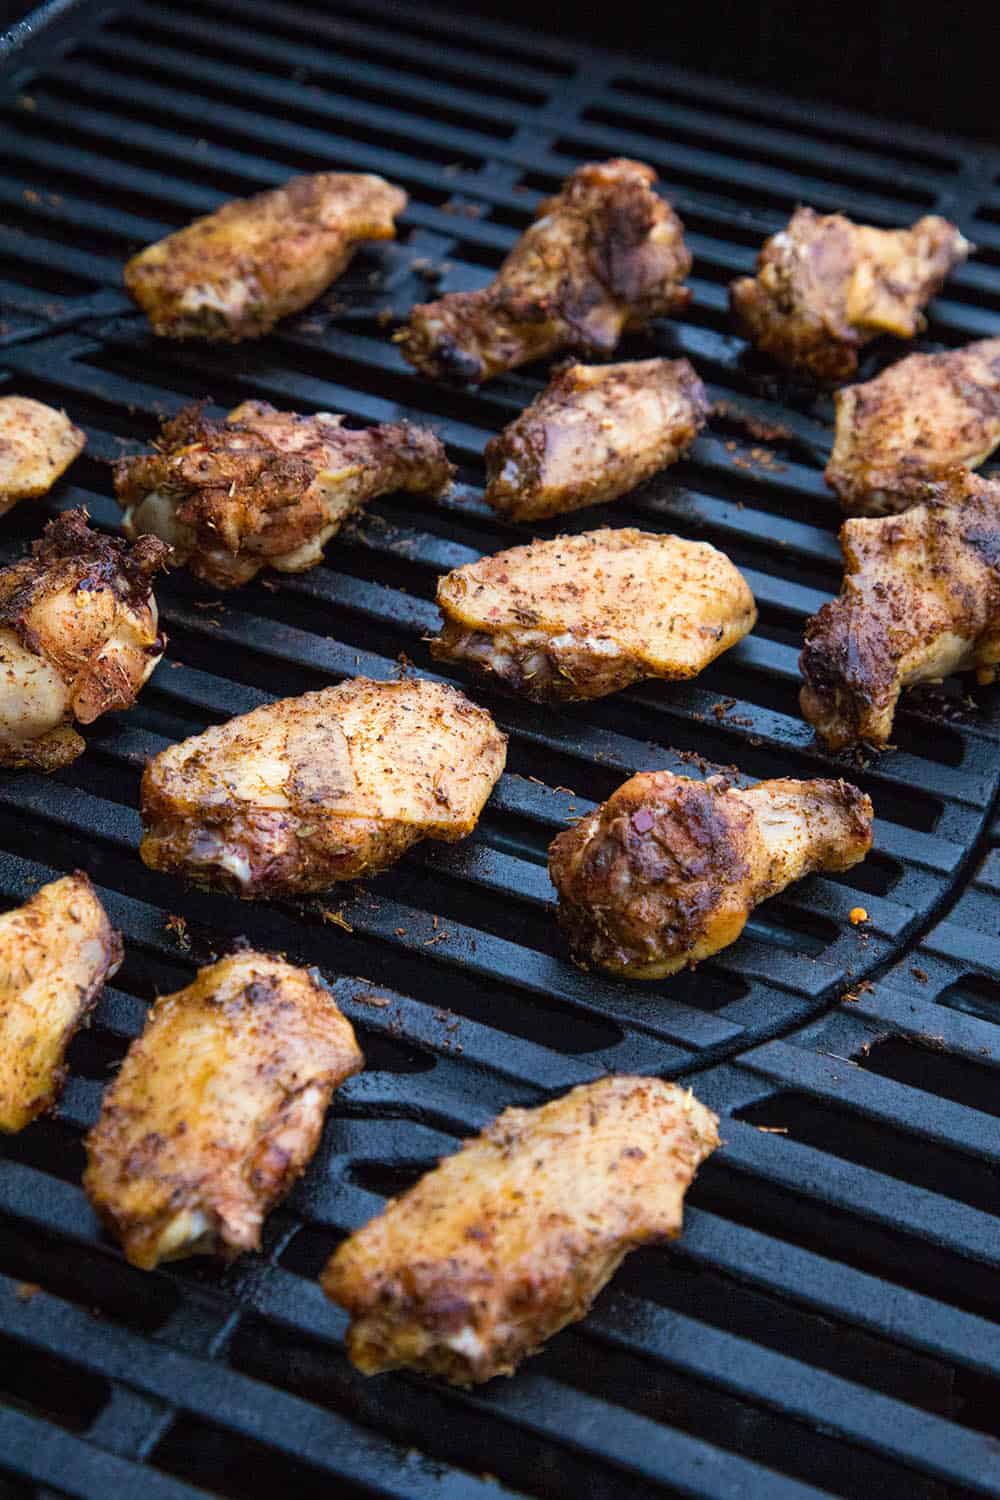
(824, 1326)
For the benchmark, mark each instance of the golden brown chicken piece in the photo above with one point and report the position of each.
(919, 419)
(267, 487)
(667, 871)
(596, 432)
(583, 616)
(37, 444)
(217, 1109)
(233, 274)
(78, 638)
(56, 951)
(330, 786)
(604, 255)
(920, 599)
(510, 1239)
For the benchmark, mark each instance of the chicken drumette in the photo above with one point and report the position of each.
(667, 871)
(37, 444)
(78, 638)
(825, 287)
(267, 487)
(604, 255)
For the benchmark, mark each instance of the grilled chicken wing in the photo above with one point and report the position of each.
(667, 871)
(920, 599)
(37, 444)
(604, 255)
(583, 616)
(826, 286)
(217, 1109)
(918, 420)
(510, 1239)
(596, 432)
(330, 786)
(78, 638)
(56, 951)
(267, 487)
(233, 274)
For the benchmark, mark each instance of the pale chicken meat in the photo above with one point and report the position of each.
(920, 599)
(56, 951)
(511, 1238)
(233, 274)
(266, 487)
(37, 445)
(583, 616)
(78, 638)
(825, 287)
(217, 1109)
(594, 433)
(667, 871)
(605, 255)
(329, 786)
(919, 419)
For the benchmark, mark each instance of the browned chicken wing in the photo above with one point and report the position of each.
(217, 1109)
(918, 420)
(37, 444)
(920, 599)
(596, 432)
(604, 255)
(78, 638)
(267, 487)
(583, 616)
(825, 287)
(510, 1239)
(667, 871)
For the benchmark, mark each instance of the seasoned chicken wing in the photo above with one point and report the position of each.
(56, 951)
(920, 599)
(604, 255)
(826, 286)
(510, 1239)
(667, 871)
(918, 420)
(233, 274)
(37, 444)
(217, 1109)
(583, 616)
(267, 487)
(596, 432)
(78, 638)
(330, 786)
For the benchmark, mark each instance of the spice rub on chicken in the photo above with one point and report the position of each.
(266, 487)
(233, 274)
(511, 1238)
(78, 638)
(604, 255)
(217, 1109)
(826, 286)
(37, 445)
(329, 786)
(667, 871)
(917, 421)
(596, 432)
(583, 616)
(920, 599)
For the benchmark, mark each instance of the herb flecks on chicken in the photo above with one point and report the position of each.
(37, 445)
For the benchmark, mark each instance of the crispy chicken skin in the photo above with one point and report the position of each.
(583, 616)
(918, 420)
(596, 432)
(37, 444)
(217, 1109)
(604, 255)
(267, 487)
(233, 274)
(667, 871)
(826, 286)
(329, 786)
(510, 1239)
(78, 638)
(920, 599)
(56, 951)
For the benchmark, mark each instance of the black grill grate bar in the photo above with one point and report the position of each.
(41, 1452)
